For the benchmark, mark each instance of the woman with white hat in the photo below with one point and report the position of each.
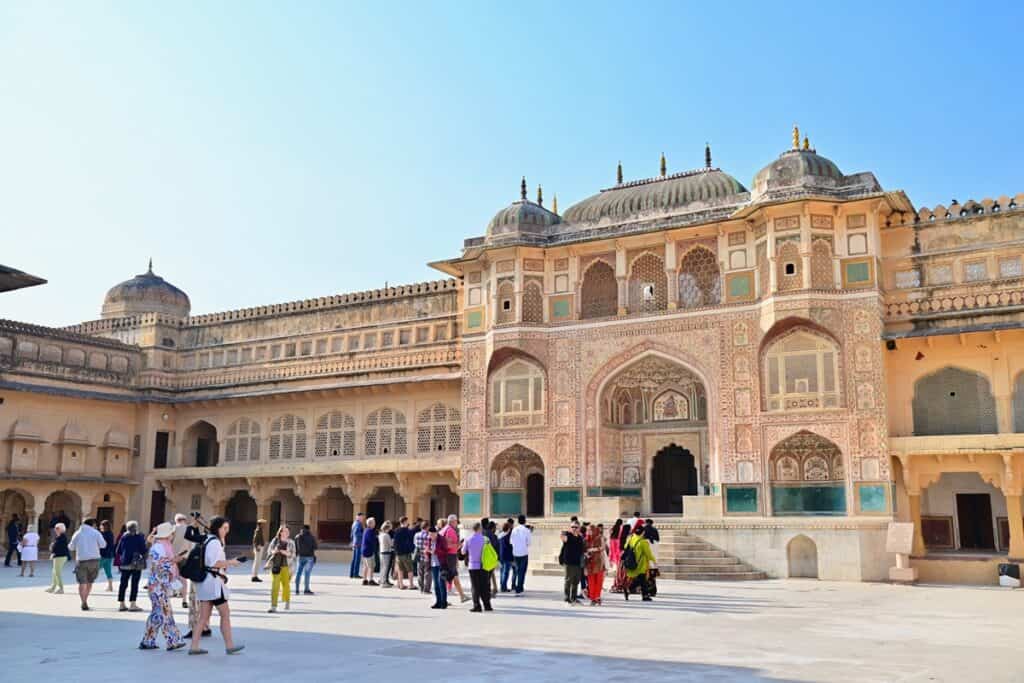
(163, 581)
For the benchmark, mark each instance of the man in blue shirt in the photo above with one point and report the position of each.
(479, 578)
(357, 547)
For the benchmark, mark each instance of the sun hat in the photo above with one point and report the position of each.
(164, 530)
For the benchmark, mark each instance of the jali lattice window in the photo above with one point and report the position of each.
(954, 401)
(335, 435)
(648, 287)
(517, 395)
(790, 267)
(438, 428)
(288, 437)
(533, 302)
(506, 302)
(599, 294)
(243, 441)
(801, 371)
(385, 433)
(700, 283)
(823, 274)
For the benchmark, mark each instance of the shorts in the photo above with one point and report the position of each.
(369, 564)
(405, 563)
(218, 602)
(87, 570)
(452, 565)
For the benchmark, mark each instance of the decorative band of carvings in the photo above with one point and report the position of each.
(953, 303)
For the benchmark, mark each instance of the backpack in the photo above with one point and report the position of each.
(628, 558)
(488, 557)
(194, 568)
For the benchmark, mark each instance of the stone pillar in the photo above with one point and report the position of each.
(805, 260)
(623, 296)
(620, 276)
(672, 275)
(1015, 513)
(263, 512)
(915, 517)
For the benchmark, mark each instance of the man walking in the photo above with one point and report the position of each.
(357, 547)
(258, 543)
(423, 555)
(520, 538)
(479, 578)
(305, 548)
(87, 543)
(405, 546)
(571, 558)
(451, 538)
(13, 537)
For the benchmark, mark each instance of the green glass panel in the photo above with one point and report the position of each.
(471, 504)
(858, 272)
(872, 498)
(566, 502)
(808, 500)
(560, 308)
(474, 319)
(593, 492)
(506, 503)
(739, 286)
(741, 499)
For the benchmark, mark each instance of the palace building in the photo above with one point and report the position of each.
(775, 371)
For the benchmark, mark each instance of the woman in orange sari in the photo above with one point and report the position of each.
(594, 564)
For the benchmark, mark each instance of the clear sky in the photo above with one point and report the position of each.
(267, 152)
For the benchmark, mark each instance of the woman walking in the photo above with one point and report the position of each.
(621, 583)
(437, 556)
(107, 554)
(614, 549)
(280, 556)
(29, 550)
(60, 554)
(213, 591)
(506, 557)
(387, 554)
(163, 581)
(594, 564)
(131, 554)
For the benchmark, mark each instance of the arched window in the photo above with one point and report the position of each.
(599, 295)
(699, 280)
(822, 272)
(801, 372)
(385, 432)
(807, 475)
(288, 437)
(790, 267)
(506, 302)
(533, 302)
(335, 435)
(243, 441)
(954, 401)
(648, 290)
(517, 395)
(438, 428)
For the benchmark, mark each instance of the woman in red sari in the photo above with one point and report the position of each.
(622, 581)
(614, 551)
(594, 564)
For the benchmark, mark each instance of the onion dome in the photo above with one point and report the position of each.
(145, 293)
(521, 219)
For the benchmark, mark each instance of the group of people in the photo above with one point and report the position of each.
(587, 556)
(281, 557)
(424, 556)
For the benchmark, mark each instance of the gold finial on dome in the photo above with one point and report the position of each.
(150, 269)
(796, 136)
(664, 166)
(554, 204)
(540, 196)
(522, 188)
(707, 155)
(807, 144)
(618, 174)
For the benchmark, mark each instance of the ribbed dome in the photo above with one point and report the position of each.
(519, 217)
(796, 170)
(145, 293)
(670, 194)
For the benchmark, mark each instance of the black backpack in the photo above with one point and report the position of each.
(628, 558)
(194, 568)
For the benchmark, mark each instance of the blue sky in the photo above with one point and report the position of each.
(266, 152)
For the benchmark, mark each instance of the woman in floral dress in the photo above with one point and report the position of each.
(163, 577)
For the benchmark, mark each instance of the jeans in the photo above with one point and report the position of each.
(521, 564)
(425, 575)
(480, 582)
(12, 549)
(440, 587)
(357, 559)
(508, 569)
(134, 576)
(387, 562)
(572, 581)
(305, 565)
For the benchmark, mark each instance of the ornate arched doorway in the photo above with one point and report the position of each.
(517, 483)
(808, 476)
(673, 475)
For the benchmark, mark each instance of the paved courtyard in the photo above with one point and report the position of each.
(760, 631)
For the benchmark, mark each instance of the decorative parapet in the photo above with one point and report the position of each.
(111, 325)
(65, 334)
(956, 210)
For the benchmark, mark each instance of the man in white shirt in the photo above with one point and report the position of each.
(86, 544)
(520, 540)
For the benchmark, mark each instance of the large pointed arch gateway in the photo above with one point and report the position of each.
(517, 483)
(652, 442)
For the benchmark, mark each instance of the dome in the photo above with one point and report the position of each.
(521, 218)
(797, 171)
(145, 293)
(672, 194)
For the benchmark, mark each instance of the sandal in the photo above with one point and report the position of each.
(199, 652)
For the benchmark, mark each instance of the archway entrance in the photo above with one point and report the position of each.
(334, 516)
(241, 512)
(517, 483)
(673, 475)
(802, 558)
(201, 447)
(60, 506)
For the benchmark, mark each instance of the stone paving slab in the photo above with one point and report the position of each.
(695, 631)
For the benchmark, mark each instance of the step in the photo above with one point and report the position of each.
(718, 576)
(700, 562)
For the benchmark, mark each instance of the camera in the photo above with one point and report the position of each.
(195, 515)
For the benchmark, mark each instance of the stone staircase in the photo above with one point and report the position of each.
(685, 557)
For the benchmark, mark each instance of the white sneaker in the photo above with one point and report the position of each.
(272, 610)
(288, 605)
